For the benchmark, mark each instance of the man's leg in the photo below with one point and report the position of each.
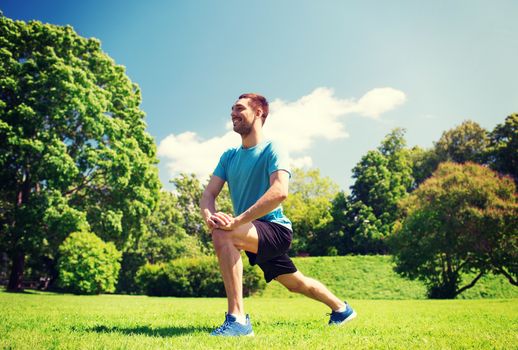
(228, 245)
(298, 283)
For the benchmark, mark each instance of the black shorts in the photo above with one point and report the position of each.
(272, 257)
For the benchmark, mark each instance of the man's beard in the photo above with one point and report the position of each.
(243, 128)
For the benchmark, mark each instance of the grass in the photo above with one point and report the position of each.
(56, 321)
(373, 277)
(388, 318)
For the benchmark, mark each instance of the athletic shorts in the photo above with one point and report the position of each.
(272, 257)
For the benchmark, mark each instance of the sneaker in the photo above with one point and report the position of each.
(340, 318)
(232, 328)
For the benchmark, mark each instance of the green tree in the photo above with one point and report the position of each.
(73, 144)
(382, 177)
(308, 207)
(503, 147)
(467, 142)
(332, 239)
(166, 238)
(463, 219)
(188, 191)
(423, 162)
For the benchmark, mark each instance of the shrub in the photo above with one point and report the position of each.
(193, 277)
(87, 265)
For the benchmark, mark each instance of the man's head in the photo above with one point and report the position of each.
(258, 103)
(247, 110)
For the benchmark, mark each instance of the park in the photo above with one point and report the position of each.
(103, 243)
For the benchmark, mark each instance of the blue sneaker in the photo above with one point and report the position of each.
(232, 328)
(340, 318)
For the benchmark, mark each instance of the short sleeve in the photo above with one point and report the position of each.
(221, 168)
(278, 160)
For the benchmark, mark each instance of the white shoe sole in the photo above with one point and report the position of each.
(348, 319)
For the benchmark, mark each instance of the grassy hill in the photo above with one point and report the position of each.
(373, 277)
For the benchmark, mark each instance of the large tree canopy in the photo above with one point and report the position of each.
(73, 147)
(463, 219)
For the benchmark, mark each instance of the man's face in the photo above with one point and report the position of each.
(243, 116)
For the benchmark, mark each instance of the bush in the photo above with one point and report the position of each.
(87, 265)
(194, 277)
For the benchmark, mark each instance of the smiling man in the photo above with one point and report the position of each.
(258, 175)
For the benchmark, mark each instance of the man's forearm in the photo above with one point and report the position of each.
(207, 205)
(268, 202)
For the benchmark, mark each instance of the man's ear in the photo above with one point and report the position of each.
(259, 112)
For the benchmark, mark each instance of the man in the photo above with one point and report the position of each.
(257, 175)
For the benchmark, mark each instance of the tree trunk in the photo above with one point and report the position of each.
(509, 277)
(16, 278)
(18, 255)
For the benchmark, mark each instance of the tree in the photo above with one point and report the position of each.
(424, 162)
(463, 219)
(467, 142)
(503, 147)
(354, 228)
(73, 145)
(166, 238)
(188, 192)
(332, 239)
(383, 176)
(308, 207)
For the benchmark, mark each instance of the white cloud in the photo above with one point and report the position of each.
(301, 162)
(294, 125)
(380, 100)
(188, 153)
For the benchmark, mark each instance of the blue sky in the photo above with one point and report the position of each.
(340, 74)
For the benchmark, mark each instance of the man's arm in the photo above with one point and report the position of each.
(208, 200)
(276, 194)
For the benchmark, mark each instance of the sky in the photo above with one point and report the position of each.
(339, 75)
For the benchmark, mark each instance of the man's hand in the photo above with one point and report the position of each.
(224, 221)
(211, 224)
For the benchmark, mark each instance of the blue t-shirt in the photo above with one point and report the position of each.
(247, 171)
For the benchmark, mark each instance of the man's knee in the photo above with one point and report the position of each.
(220, 238)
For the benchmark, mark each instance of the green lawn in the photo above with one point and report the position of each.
(52, 321)
(373, 277)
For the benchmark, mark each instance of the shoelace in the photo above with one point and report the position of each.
(222, 328)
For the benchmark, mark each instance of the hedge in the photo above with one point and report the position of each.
(194, 277)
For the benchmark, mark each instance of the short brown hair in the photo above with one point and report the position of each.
(257, 101)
